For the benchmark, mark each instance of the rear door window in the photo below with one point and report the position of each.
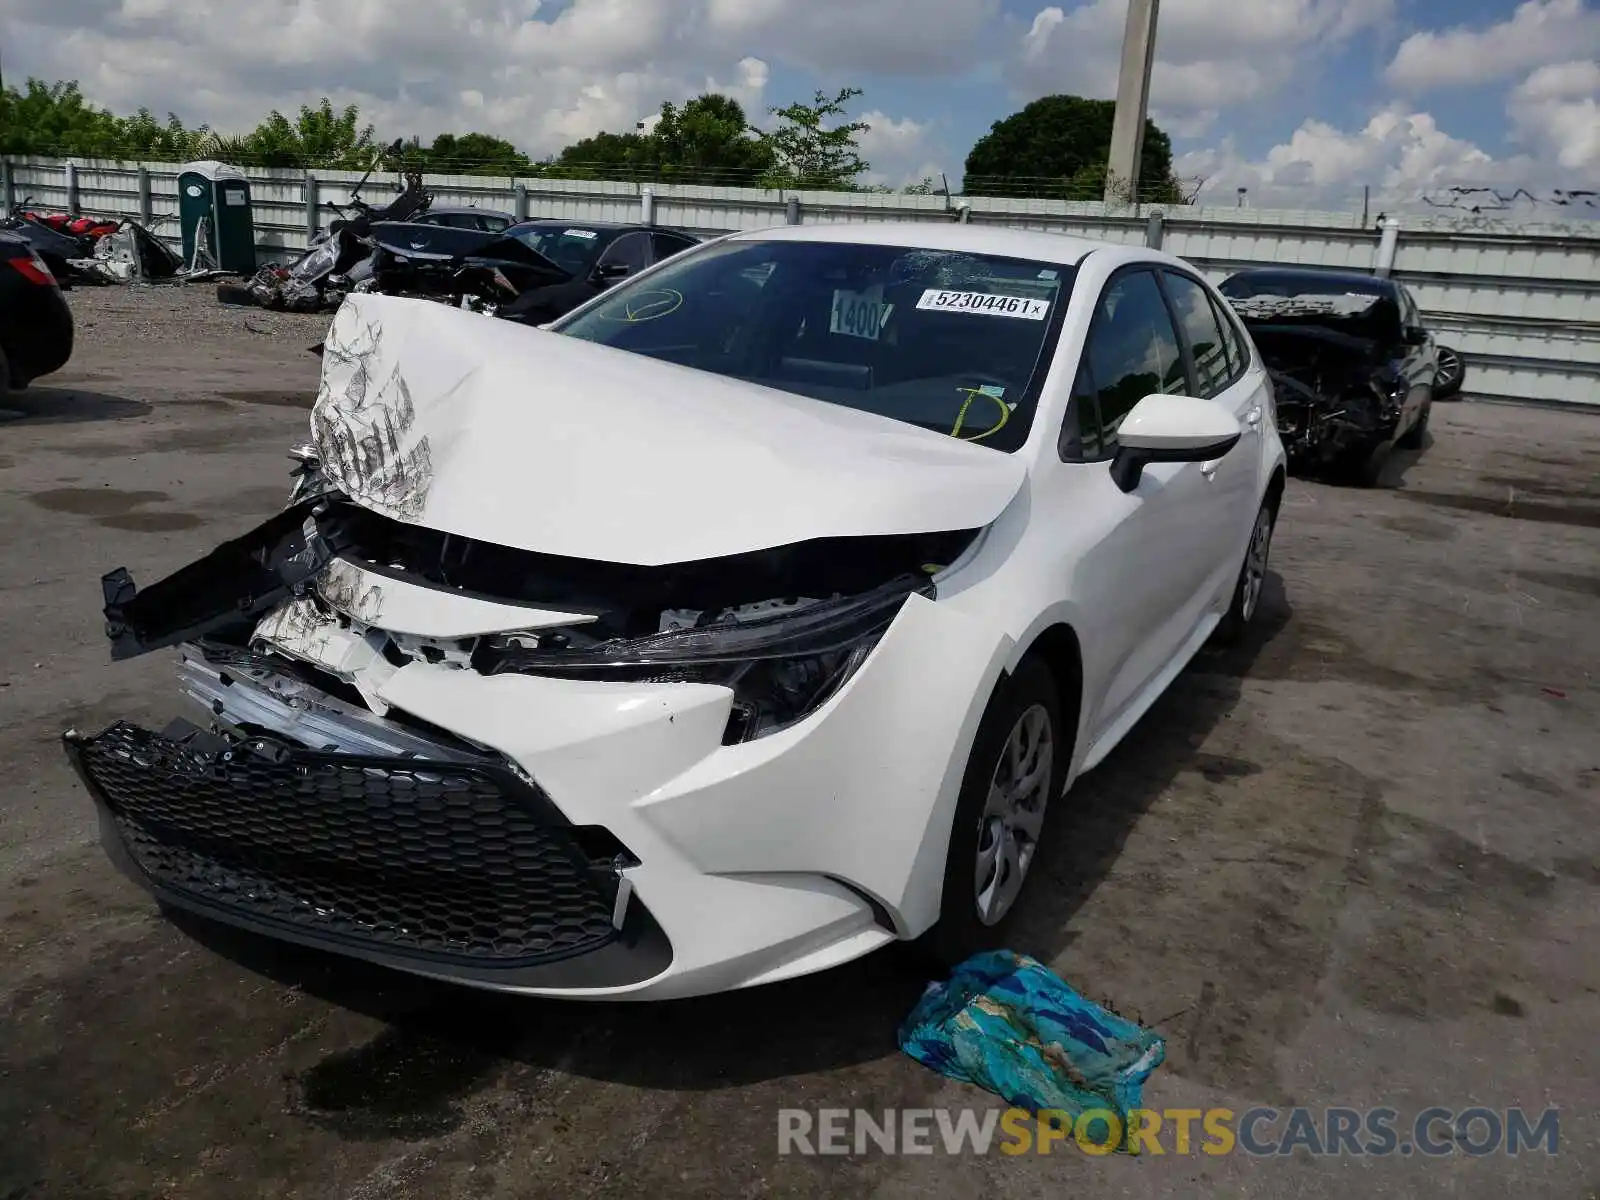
(1232, 342)
(1198, 323)
(631, 250)
(666, 245)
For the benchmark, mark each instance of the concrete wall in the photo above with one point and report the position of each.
(1519, 299)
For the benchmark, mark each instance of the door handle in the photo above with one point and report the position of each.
(1253, 417)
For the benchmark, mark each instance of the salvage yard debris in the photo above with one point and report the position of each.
(92, 250)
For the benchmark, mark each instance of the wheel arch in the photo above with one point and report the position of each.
(1275, 489)
(1058, 647)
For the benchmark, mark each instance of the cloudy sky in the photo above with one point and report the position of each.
(1303, 101)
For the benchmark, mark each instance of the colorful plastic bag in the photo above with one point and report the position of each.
(1008, 1024)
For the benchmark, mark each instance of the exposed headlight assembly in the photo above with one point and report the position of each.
(780, 668)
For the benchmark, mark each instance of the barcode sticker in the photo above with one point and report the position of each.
(986, 304)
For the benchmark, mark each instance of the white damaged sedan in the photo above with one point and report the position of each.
(745, 621)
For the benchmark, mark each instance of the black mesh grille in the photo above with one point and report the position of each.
(433, 859)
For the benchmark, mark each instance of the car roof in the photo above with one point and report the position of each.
(937, 235)
(465, 209)
(1314, 274)
(602, 226)
(576, 223)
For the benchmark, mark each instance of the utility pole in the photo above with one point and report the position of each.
(1133, 103)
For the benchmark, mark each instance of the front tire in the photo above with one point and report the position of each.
(1017, 766)
(1252, 581)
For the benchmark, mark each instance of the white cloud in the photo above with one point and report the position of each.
(899, 151)
(927, 37)
(1556, 111)
(1403, 157)
(528, 70)
(1538, 32)
(1211, 54)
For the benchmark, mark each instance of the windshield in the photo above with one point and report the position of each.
(571, 247)
(951, 341)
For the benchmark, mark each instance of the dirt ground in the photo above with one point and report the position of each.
(1356, 863)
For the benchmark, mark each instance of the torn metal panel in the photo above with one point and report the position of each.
(262, 697)
(222, 593)
(304, 630)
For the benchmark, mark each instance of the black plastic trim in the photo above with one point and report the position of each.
(640, 950)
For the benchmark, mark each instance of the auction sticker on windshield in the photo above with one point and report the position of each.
(859, 314)
(987, 304)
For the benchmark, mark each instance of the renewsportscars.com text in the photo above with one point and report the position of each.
(1259, 1132)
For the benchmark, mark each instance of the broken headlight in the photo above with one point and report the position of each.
(780, 668)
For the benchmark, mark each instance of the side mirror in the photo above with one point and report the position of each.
(1414, 335)
(1171, 429)
(611, 272)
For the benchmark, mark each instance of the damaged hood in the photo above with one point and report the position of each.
(487, 429)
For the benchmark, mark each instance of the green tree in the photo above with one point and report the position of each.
(319, 137)
(812, 149)
(605, 156)
(709, 141)
(475, 154)
(54, 118)
(1057, 147)
(143, 137)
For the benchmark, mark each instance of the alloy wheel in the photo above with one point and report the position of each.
(1008, 832)
(1449, 369)
(1255, 566)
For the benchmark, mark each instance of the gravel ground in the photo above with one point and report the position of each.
(1354, 863)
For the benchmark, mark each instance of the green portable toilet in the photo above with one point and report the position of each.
(215, 198)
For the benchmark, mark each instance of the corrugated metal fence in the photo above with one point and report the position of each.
(1520, 299)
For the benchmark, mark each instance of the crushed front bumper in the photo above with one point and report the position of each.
(459, 870)
(745, 863)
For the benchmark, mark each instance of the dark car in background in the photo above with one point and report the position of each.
(1352, 365)
(35, 322)
(590, 257)
(532, 273)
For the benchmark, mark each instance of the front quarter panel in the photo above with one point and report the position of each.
(864, 790)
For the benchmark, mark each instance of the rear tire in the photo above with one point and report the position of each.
(5, 372)
(1452, 373)
(1252, 581)
(1025, 713)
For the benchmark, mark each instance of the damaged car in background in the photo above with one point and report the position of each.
(91, 250)
(744, 622)
(338, 257)
(1352, 366)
